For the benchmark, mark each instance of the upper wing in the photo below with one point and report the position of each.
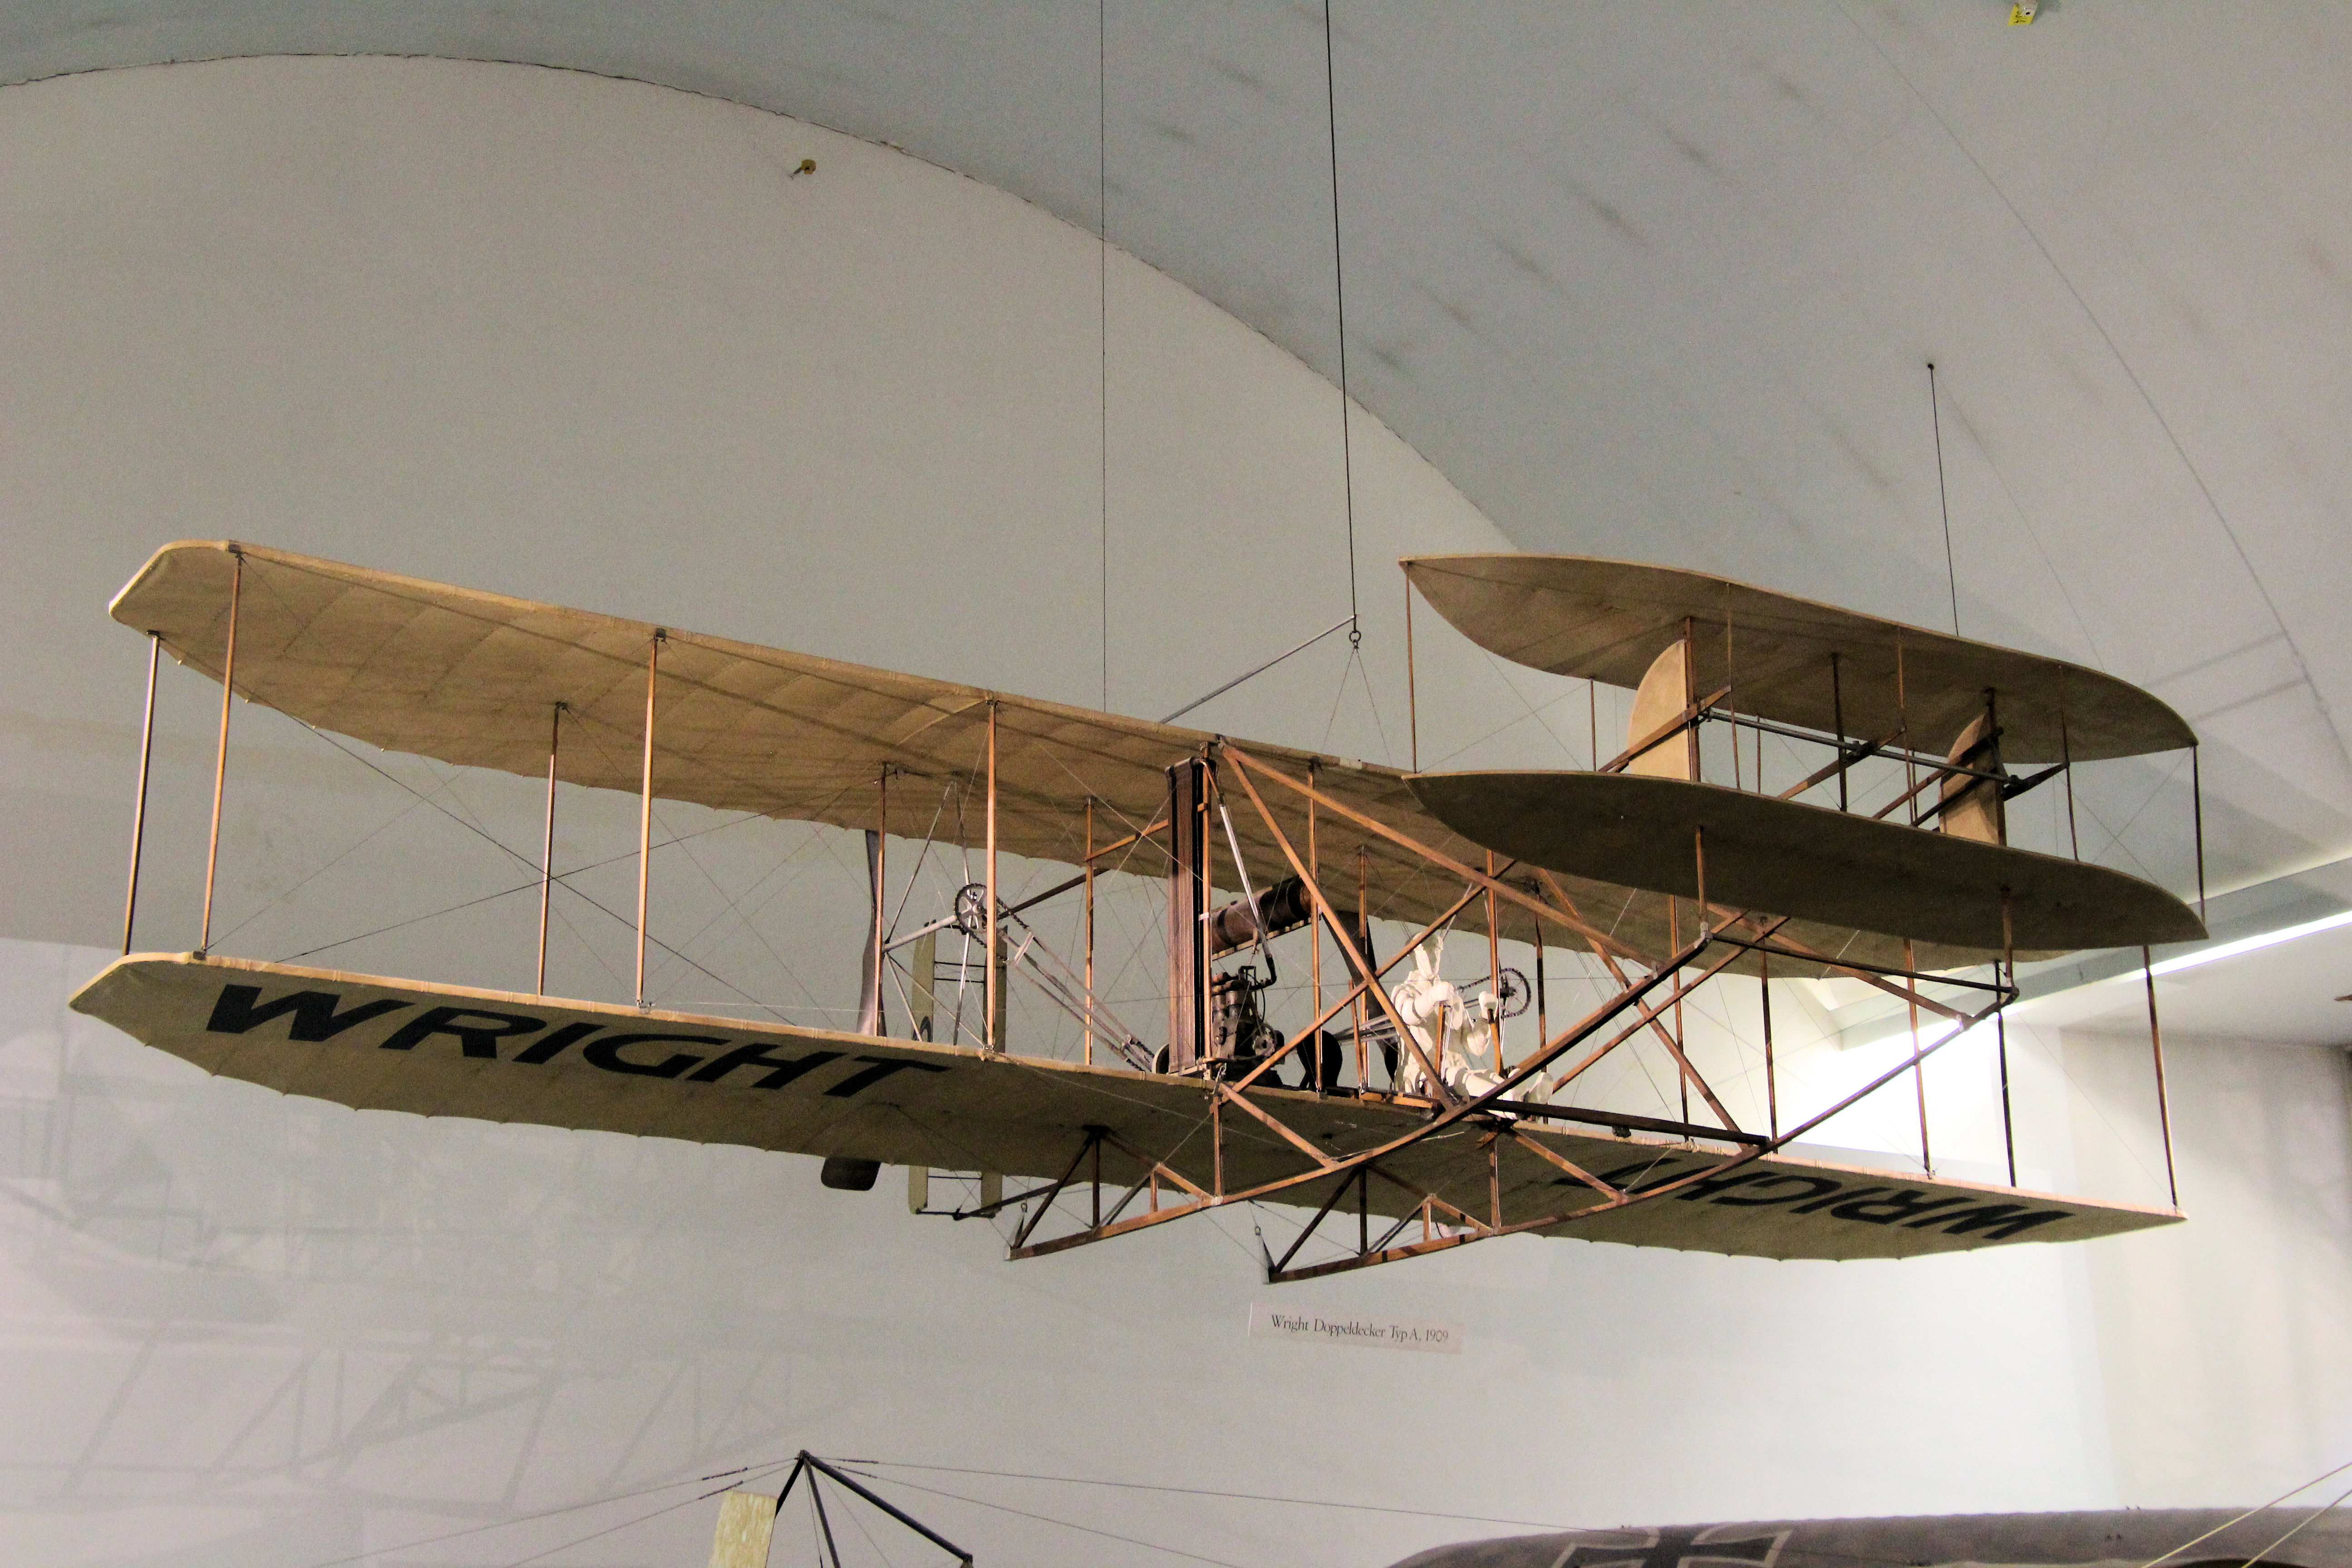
(1574, 615)
(473, 678)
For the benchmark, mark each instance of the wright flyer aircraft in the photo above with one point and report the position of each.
(1394, 1114)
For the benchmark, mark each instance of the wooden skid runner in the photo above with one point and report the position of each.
(373, 1043)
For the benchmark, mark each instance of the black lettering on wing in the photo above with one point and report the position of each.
(1708, 1186)
(1755, 1195)
(1998, 1221)
(883, 1068)
(1901, 1206)
(1835, 1194)
(606, 1053)
(781, 1069)
(548, 1049)
(478, 1031)
(240, 1008)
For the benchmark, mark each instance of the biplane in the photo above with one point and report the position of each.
(1385, 1104)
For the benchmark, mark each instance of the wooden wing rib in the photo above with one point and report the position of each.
(379, 1044)
(1607, 620)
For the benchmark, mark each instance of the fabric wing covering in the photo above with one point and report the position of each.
(394, 1045)
(472, 677)
(1606, 620)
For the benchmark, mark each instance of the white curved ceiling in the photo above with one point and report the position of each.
(1664, 281)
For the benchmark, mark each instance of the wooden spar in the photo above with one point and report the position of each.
(989, 997)
(1411, 703)
(139, 801)
(870, 1012)
(1918, 1070)
(1364, 926)
(547, 841)
(1542, 1030)
(1090, 942)
(1157, 825)
(1216, 1140)
(1837, 706)
(1187, 946)
(2008, 974)
(1495, 968)
(2197, 822)
(1691, 704)
(1731, 702)
(1698, 858)
(1771, 1084)
(1684, 724)
(1759, 756)
(1494, 1179)
(220, 759)
(2163, 1099)
(646, 808)
(1845, 759)
(1675, 1046)
(2066, 761)
(1903, 722)
(1315, 934)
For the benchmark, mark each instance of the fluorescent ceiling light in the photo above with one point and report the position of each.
(2249, 943)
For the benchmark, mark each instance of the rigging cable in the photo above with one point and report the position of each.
(1943, 497)
(1230, 1496)
(1339, 295)
(1047, 1519)
(2195, 475)
(2250, 1513)
(1102, 308)
(746, 1471)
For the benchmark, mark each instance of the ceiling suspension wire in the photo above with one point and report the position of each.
(1340, 296)
(1943, 497)
(1102, 310)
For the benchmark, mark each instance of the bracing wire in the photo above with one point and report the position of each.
(1048, 1519)
(1224, 1495)
(1340, 299)
(1943, 496)
(746, 1471)
(2250, 1513)
(2298, 1527)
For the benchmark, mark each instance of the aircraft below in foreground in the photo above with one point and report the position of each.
(2121, 1538)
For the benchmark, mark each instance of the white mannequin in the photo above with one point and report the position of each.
(1440, 1018)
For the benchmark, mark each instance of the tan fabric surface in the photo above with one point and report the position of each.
(472, 677)
(1606, 620)
(907, 1103)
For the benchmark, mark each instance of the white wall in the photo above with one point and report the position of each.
(585, 341)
